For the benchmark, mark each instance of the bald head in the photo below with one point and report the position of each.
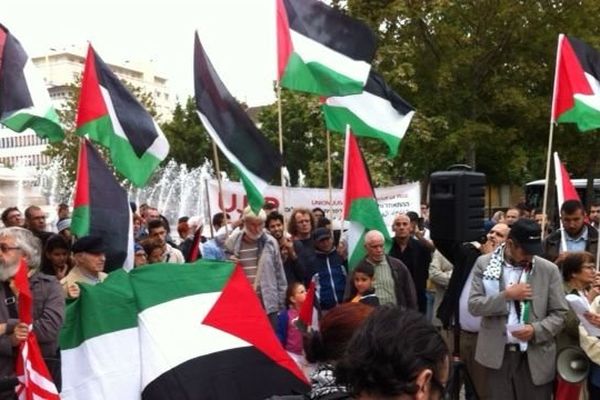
(498, 234)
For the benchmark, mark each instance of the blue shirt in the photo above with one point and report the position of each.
(211, 251)
(577, 243)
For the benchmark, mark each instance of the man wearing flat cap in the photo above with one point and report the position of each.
(520, 298)
(89, 258)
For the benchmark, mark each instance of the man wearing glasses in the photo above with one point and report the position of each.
(12, 217)
(48, 304)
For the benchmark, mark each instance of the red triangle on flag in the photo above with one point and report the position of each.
(82, 182)
(91, 102)
(357, 183)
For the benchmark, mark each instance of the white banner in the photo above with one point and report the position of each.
(392, 200)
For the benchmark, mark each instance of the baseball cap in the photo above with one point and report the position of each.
(528, 235)
(321, 233)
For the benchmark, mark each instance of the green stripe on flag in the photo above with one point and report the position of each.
(314, 77)
(101, 309)
(137, 170)
(365, 211)
(80, 221)
(255, 197)
(337, 118)
(46, 126)
(161, 285)
(585, 116)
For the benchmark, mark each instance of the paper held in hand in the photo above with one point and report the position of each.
(579, 305)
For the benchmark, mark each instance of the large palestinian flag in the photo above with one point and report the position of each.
(110, 115)
(360, 205)
(101, 208)
(191, 332)
(24, 99)
(576, 96)
(378, 112)
(320, 50)
(244, 145)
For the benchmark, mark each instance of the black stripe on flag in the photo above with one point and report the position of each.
(14, 92)
(589, 58)
(377, 86)
(242, 373)
(109, 210)
(235, 129)
(344, 34)
(137, 123)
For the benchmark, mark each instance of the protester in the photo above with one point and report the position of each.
(300, 226)
(594, 215)
(575, 235)
(440, 272)
(590, 344)
(288, 333)
(63, 227)
(293, 270)
(363, 290)
(327, 346)
(392, 282)
(140, 257)
(11, 216)
(579, 275)
(520, 298)
(157, 229)
(214, 248)
(154, 250)
(415, 256)
(35, 221)
(395, 354)
(328, 270)
(258, 253)
(62, 211)
(183, 228)
(56, 257)
(318, 214)
(48, 304)
(89, 258)
(195, 224)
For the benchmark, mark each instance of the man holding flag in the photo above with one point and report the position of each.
(47, 313)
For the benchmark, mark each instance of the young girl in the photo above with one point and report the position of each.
(287, 332)
(363, 291)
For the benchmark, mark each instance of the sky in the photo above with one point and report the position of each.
(238, 35)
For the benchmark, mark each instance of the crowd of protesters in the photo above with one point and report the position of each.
(384, 329)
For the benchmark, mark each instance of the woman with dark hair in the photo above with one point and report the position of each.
(56, 260)
(327, 346)
(396, 354)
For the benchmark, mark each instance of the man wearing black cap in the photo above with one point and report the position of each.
(89, 257)
(328, 268)
(520, 299)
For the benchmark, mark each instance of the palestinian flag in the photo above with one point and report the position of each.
(110, 115)
(320, 50)
(564, 190)
(24, 99)
(183, 333)
(360, 205)
(378, 112)
(101, 208)
(576, 96)
(244, 145)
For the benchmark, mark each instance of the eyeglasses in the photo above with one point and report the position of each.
(5, 248)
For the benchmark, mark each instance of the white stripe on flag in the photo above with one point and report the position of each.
(354, 233)
(172, 333)
(312, 51)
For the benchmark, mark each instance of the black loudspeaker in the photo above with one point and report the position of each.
(457, 201)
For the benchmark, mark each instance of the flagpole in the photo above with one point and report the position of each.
(280, 122)
(218, 168)
(207, 194)
(550, 138)
(329, 177)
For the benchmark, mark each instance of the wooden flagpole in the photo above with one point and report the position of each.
(329, 177)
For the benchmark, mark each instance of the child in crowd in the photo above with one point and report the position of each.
(287, 332)
(363, 291)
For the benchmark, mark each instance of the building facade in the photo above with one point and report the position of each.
(60, 69)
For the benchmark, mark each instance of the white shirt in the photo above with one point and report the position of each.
(512, 276)
(468, 321)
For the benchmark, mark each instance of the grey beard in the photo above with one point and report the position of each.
(8, 271)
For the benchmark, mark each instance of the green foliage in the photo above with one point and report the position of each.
(480, 74)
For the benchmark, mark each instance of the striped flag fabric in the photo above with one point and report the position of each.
(576, 96)
(177, 333)
(360, 205)
(35, 381)
(244, 145)
(111, 116)
(378, 112)
(101, 208)
(321, 50)
(24, 99)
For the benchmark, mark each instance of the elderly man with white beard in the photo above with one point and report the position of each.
(48, 304)
(258, 253)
